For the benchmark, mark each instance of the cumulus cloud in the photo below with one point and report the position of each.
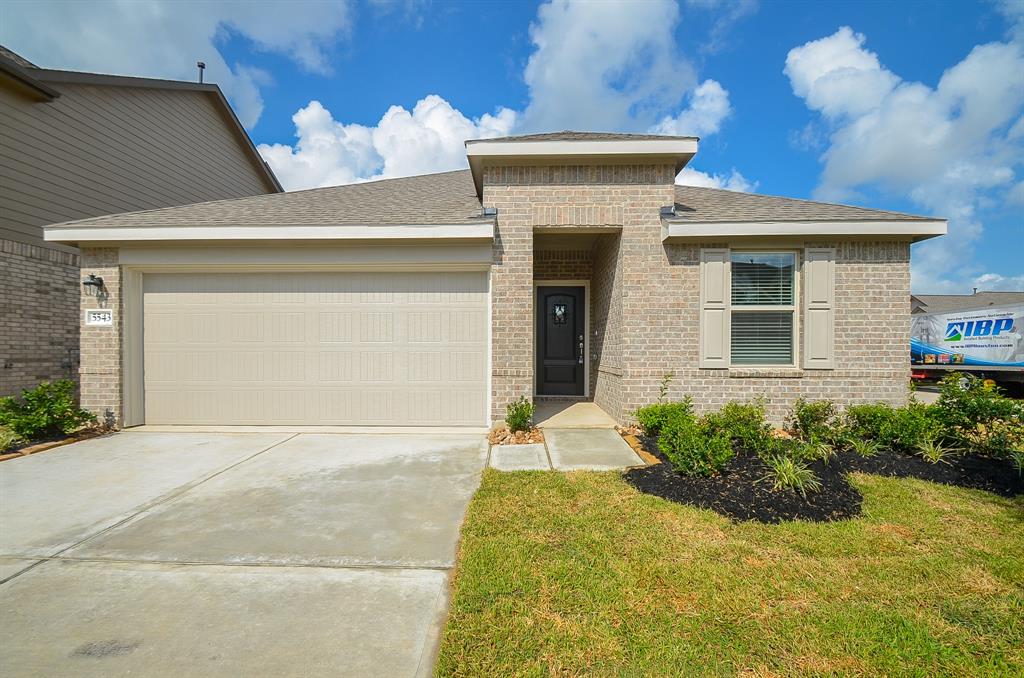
(734, 181)
(604, 66)
(708, 108)
(429, 138)
(951, 148)
(607, 66)
(164, 38)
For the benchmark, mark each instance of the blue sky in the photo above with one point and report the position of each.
(911, 106)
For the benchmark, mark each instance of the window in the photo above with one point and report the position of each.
(763, 308)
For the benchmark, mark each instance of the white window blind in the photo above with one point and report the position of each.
(763, 308)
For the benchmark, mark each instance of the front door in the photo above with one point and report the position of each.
(561, 330)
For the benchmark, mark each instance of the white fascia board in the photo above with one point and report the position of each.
(455, 232)
(580, 148)
(916, 230)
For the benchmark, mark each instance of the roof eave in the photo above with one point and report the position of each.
(26, 80)
(916, 230)
(477, 231)
(484, 152)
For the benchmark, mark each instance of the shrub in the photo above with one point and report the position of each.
(519, 414)
(785, 473)
(814, 420)
(693, 450)
(818, 450)
(897, 428)
(47, 410)
(743, 422)
(964, 401)
(8, 438)
(995, 438)
(653, 418)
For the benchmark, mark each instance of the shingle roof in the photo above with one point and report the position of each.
(569, 135)
(450, 198)
(709, 205)
(941, 303)
(445, 198)
(16, 58)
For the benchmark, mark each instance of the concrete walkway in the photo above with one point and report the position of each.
(225, 554)
(577, 437)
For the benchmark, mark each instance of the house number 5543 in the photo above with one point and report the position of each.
(102, 317)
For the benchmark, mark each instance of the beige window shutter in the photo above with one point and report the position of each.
(715, 294)
(819, 308)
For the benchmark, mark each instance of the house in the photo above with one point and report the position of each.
(945, 303)
(76, 145)
(563, 265)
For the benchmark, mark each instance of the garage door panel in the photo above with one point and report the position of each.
(318, 348)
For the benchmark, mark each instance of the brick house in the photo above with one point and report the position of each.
(76, 145)
(563, 265)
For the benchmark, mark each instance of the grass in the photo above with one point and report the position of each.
(580, 574)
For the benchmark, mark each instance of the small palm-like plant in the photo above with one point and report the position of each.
(820, 450)
(934, 452)
(787, 474)
(864, 447)
(8, 438)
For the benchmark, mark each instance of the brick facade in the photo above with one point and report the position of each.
(39, 307)
(100, 373)
(645, 295)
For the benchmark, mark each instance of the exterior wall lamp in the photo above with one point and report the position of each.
(93, 285)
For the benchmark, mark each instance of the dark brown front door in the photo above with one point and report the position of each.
(561, 327)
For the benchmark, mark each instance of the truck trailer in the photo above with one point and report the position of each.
(987, 342)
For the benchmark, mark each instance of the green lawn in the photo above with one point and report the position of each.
(579, 574)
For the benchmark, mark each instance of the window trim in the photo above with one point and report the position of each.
(794, 307)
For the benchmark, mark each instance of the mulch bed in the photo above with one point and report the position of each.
(740, 492)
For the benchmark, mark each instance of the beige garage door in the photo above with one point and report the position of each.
(389, 349)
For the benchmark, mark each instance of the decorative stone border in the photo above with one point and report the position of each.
(51, 444)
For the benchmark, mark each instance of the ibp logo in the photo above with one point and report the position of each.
(968, 329)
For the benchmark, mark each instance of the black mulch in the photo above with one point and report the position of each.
(741, 492)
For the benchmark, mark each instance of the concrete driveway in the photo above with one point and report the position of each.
(226, 554)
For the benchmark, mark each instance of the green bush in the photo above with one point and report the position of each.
(816, 420)
(653, 418)
(519, 414)
(47, 410)
(8, 438)
(898, 428)
(692, 449)
(964, 401)
(743, 422)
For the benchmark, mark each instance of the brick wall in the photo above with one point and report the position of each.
(606, 326)
(39, 308)
(562, 265)
(872, 335)
(100, 373)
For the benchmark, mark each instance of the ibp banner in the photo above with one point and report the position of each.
(992, 337)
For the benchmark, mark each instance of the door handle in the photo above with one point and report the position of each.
(579, 351)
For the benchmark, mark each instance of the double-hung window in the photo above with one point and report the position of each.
(763, 308)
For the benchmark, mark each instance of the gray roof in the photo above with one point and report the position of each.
(708, 205)
(445, 198)
(943, 303)
(16, 58)
(569, 135)
(450, 198)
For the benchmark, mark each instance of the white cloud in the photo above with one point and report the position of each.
(993, 282)
(727, 14)
(734, 181)
(164, 38)
(708, 109)
(604, 66)
(427, 139)
(947, 147)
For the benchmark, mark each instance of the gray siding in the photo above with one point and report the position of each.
(101, 150)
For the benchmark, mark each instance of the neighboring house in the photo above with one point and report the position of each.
(76, 145)
(565, 265)
(945, 303)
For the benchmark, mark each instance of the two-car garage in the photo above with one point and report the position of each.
(383, 348)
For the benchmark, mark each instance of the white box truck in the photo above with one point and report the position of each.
(987, 342)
